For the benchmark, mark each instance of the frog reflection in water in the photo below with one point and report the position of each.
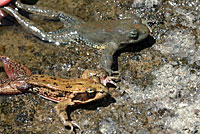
(111, 35)
(66, 92)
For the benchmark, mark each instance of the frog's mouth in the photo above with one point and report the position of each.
(85, 97)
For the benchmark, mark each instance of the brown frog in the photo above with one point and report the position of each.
(110, 35)
(66, 92)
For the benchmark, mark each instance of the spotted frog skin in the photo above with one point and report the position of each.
(66, 92)
(110, 35)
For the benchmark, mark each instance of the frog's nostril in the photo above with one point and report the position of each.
(133, 34)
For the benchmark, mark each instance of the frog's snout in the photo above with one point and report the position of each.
(133, 34)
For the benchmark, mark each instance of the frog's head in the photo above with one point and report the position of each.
(92, 93)
(131, 31)
(137, 33)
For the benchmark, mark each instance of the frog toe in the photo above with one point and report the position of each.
(115, 73)
(75, 125)
(110, 80)
(112, 72)
(71, 125)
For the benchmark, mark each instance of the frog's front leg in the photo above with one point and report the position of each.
(61, 109)
(107, 57)
(50, 13)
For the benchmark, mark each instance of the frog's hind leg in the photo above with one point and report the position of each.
(57, 37)
(50, 13)
(13, 69)
(6, 87)
(26, 23)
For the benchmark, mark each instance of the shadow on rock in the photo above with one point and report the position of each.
(137, 47)
(104, 102)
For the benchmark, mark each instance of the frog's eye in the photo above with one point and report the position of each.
(91, 90)
(90, 93)
(133, 34)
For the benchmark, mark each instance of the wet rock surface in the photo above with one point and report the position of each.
(159, 88)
